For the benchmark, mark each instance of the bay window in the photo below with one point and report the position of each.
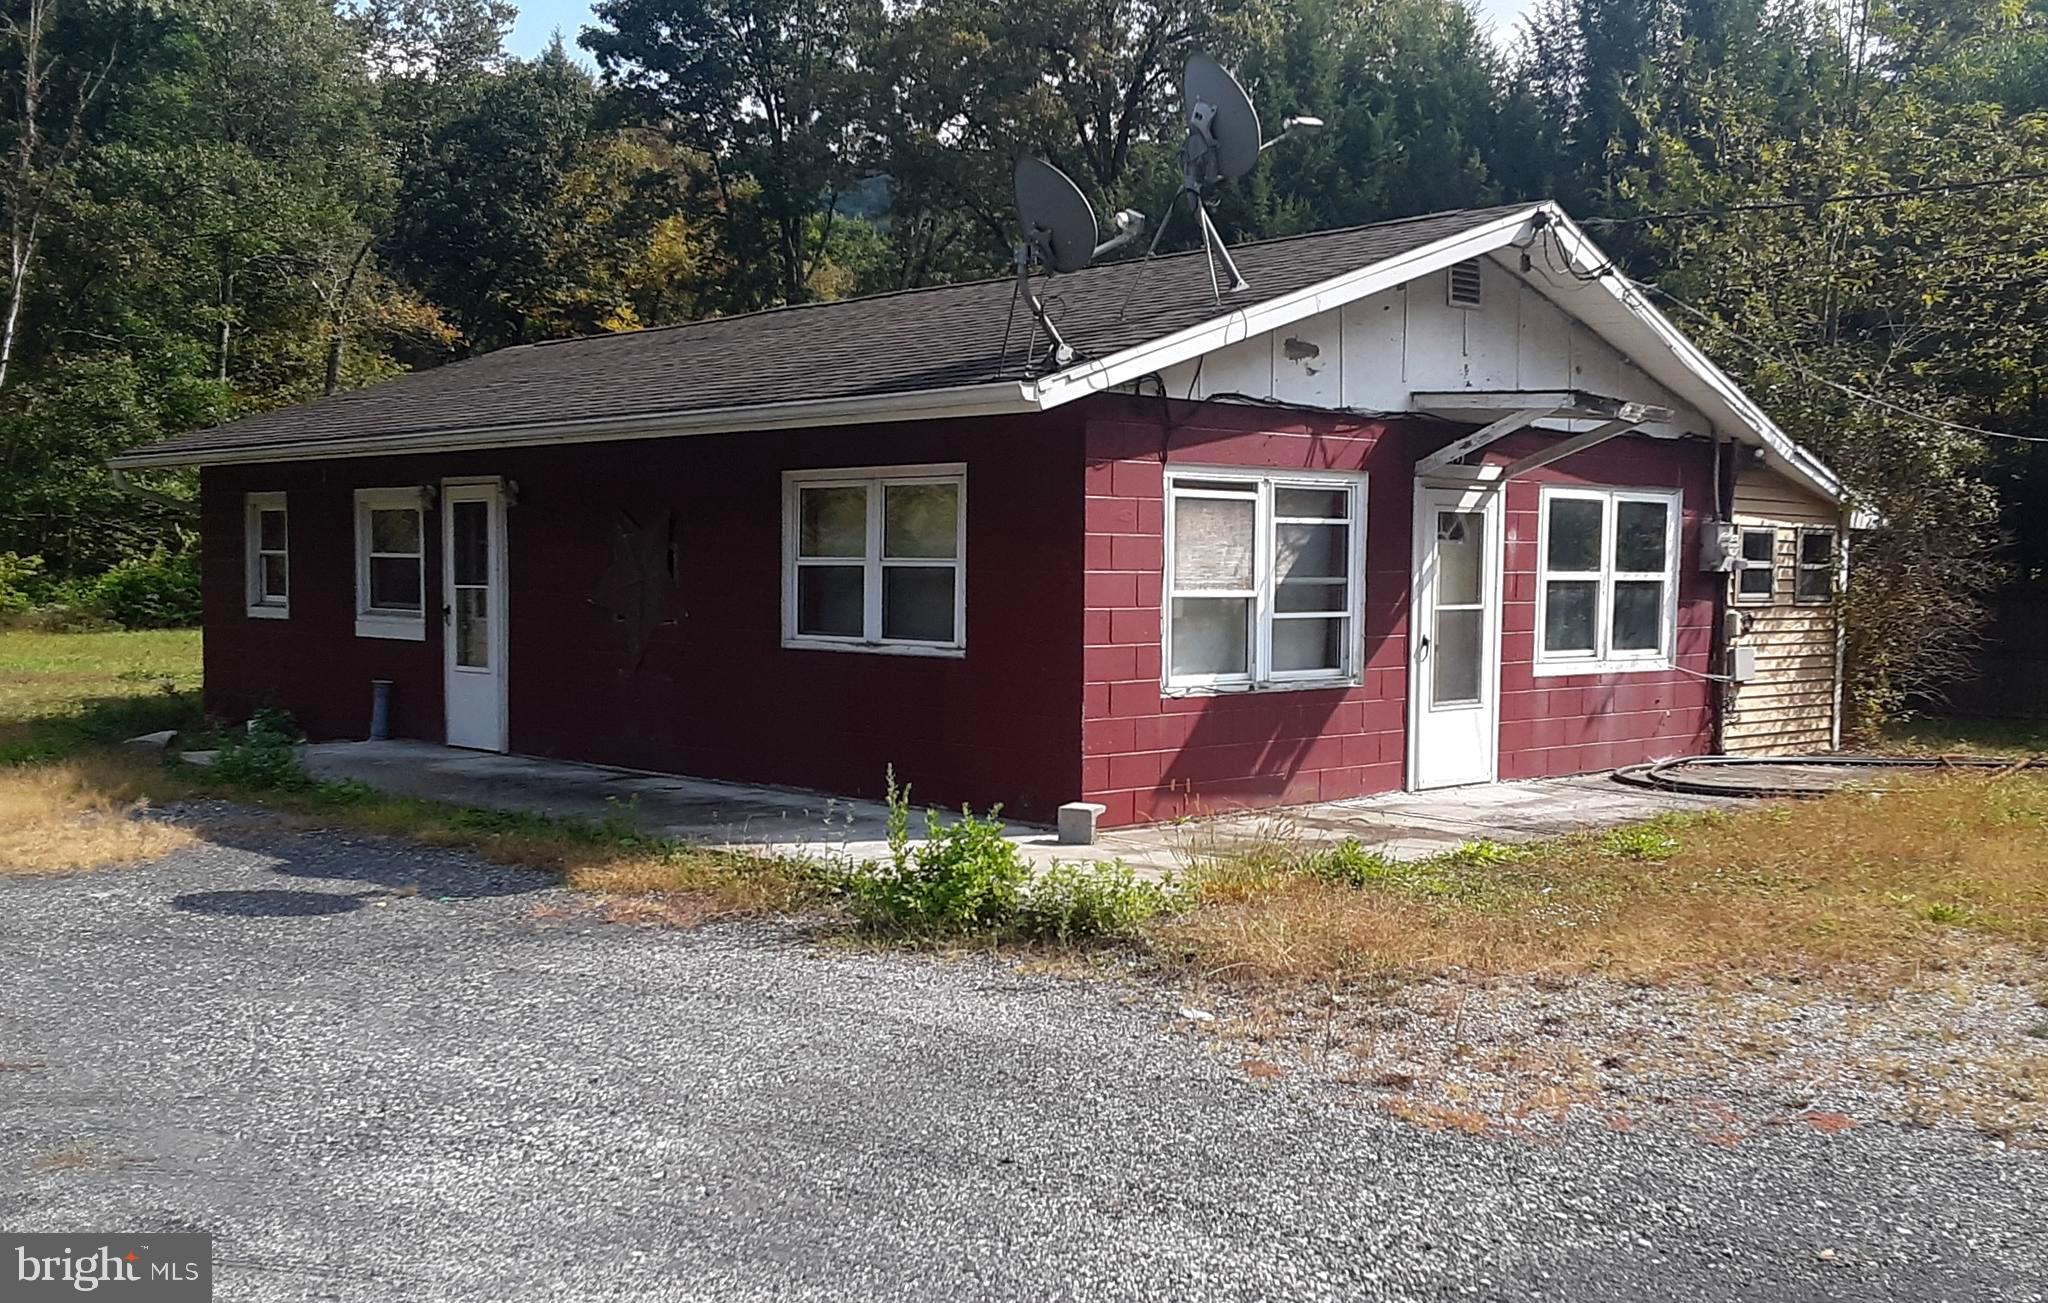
(874, 559)
(1262, 579)
(1607, 583)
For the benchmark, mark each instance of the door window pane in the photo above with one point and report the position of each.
(1640, 536)
(1455, 657)
(833, 522)
(1308, 645)
(1211, 635)
(1310, 552)
(473, 628)
(1460, 557)
(395, 583)
(471, 524)
(829, 601)
(1568, 614)
(1638, 615)
(1213, 542)
(394, 529)
(270, 530)
(920, 520)
(1574, 542)
(917, 603)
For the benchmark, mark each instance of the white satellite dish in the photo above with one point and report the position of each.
(1059, 230)
(1222, 144)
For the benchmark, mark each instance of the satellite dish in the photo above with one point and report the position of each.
(1222, 144)
(1221, 116)
(1059, 230)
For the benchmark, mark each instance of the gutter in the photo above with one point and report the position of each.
(994, 398)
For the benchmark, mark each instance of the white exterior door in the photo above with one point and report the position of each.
(1454, 637)
(473, 613)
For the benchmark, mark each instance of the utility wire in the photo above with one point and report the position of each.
(1780, 205)
(1861, 395)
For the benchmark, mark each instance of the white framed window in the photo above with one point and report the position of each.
(1264, 579)
(391, 563)
(1607, 580)
(267, 535)
(1815, 581)
(875, 559)
(1756, 580)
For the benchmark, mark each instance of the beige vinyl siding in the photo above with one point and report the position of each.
(1790, 706)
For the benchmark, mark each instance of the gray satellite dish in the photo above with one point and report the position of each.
(1059, 235)
(1222, 144)
(1222, 115)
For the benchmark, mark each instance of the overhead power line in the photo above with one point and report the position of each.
(1861, 395)
(1851, 197)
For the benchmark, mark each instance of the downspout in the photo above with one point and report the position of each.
(184, 507)
(1723, 662)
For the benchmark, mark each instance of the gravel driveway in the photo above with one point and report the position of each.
(368, 1092)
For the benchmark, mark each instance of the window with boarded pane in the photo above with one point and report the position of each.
(875, 558)
(1607, 583)
(391, 563)
(1816, 580)
(1757, 580)
(1262, 579)
(269, 555)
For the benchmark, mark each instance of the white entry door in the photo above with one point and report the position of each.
(1454, 637)
(473, 614)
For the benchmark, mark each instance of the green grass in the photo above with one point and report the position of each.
(64, 692)
(2013, 738)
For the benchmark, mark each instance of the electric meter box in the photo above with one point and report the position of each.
(1720, 548)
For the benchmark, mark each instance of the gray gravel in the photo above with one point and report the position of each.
(368, 1092)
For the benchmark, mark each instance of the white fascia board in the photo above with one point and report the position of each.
(1786, 456)
(1272, 314)
(997, 398)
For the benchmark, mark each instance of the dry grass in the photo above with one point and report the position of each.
(1915, 874)
(63, 817)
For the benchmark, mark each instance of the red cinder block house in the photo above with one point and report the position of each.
(1434, 502)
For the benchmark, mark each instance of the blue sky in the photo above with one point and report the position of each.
(538, 19)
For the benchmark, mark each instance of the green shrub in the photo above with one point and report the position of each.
(1351, 863)
(966, 880)
(158, 591)
(264, 755)
(1643, 841)
(20, 582)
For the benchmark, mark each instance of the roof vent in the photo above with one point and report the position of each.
(1465, 283)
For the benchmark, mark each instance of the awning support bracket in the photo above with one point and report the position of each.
(1480, 438)
(1577, 443)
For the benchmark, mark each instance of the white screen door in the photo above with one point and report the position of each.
(1454, 640)
(473, 613)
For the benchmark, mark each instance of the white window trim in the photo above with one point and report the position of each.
(1800, 564)
(1549, 664)
(259, 606)
(876, 479)
(1743, 564)
(1259, 678)
(410, 626)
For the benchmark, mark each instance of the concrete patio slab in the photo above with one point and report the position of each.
(1404, 825)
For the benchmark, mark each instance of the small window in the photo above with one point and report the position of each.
(269, 556)
(1262, 579)
(1757, 579)
(391, 564)
(875, 559)
(1816, 581)
(1465, 284)
(1607, 590)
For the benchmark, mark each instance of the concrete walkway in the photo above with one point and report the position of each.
(1406, 825)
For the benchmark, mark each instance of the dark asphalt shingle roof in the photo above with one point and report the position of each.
(914, 340)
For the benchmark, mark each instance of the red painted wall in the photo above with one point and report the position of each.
(711, 691)
(1147, 756)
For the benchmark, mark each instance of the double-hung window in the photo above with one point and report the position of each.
(875, 559)
(268, 556)
(1262, 579)
(1607, 587)
(1756, 582)
(391, 563)
(1816, 581)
